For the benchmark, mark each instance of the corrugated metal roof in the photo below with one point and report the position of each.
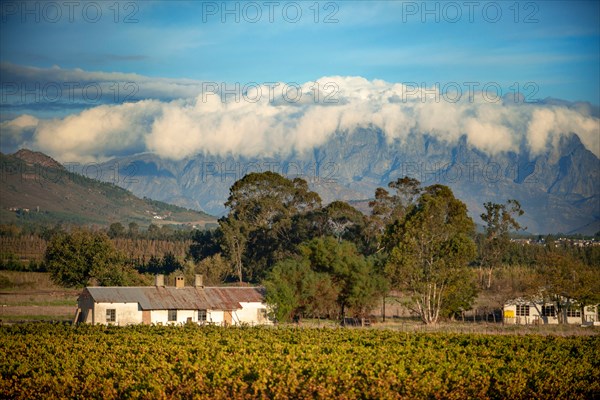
(171, 298)
(229, 298)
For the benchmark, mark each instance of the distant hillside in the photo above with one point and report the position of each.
(37, 189)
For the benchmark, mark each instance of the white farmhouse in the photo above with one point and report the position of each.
(521, 311)
(172, 305)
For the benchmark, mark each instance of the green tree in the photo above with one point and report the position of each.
(205, 243)
(257, 232)
(388, 207)
(81, 258)
(500, 220)
(329, 278)
(429, 251)
(568, 283)
(170, 264)
(294, 290)
(343, 221)
(116, 230)
(514, 281)
(214, 269)
(358, 282)
(153, 231)
(153, 266)
(235, 237)
(134, 230)
(460, 294)
(282, 293)
(338, 219)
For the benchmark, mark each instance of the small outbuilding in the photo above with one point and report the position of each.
(160, 304)
(528, 311)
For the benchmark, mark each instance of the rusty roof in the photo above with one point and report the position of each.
(171, 298)
(229, 298)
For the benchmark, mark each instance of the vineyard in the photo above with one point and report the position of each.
(58, 361)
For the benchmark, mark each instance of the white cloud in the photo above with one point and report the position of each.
(547, 125)
(181, 128)
(20, 123)
(97, 134)
(18, 130)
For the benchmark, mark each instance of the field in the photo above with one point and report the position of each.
(61, 361)
(33, 296)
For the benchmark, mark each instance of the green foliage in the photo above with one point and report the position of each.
(205, 243)
(328, 273)
(429, 251)
(165, 265)
(342, 221)
(294, 289)
(359, 283)
(153, 231)
(566, 281)
(258, 229)
(387, 209)
(286, 288)
(134, 230)
(10, 262)
(460, 294)
(520, 254)
(500, 221)
(234, 363)
(81, 258)
(214, 269)
(116, 229)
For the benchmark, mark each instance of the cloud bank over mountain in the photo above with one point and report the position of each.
(180, 118)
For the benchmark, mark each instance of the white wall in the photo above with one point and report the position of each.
(162, 316)
(250, 314)
(126, 313)
(215, 316)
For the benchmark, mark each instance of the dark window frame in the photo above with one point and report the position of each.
(573, 312)
(549, 311)
(523, 310)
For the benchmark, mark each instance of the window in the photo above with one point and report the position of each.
(548, 311)
(573, 312)
(111, 315)
(172, 315)
(522, 310)
(201, 315)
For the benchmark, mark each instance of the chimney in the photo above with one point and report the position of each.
(159, 280)
(199, 282)
(179, 282)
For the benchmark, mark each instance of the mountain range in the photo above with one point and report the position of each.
(558, 190)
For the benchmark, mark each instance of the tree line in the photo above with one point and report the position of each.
(332, 260)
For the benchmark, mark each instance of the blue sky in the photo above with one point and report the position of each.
(92, 80)
(552, 43)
